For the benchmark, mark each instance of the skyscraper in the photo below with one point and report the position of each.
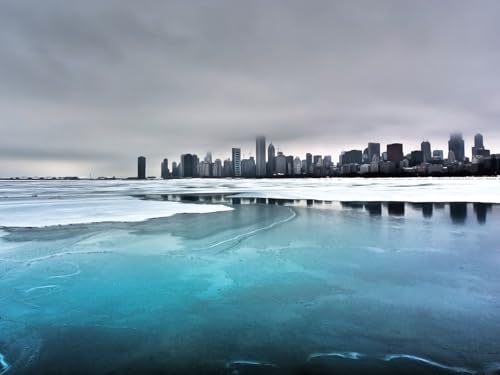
(186, 165)
(236, 153)
(165, 173)
(425, 147)
(271, 162)
(456, 144)
(260, 148)
(141, 168)
(478, 150)
(373, 150)
(309, 163)
(395, 152)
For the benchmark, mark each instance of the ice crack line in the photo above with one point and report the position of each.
(40, 287)
(252, 232)
(4, 365)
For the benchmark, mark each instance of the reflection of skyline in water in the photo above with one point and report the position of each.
(458, 211)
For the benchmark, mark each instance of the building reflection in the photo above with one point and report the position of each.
(481, 211)
(374, 208)
(396, 208)
(458, 212)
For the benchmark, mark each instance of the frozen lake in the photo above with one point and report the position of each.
(301, 276)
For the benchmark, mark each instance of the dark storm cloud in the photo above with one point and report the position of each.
(100, 82)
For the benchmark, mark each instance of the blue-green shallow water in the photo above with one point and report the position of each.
(264, 289)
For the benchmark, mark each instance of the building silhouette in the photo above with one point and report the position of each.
(425, 147)
(236, 154)
(456, 144)
(165, 173)
(260, 155)
(187, 165)
(271, 163)
(141, 168)
(373, 150)
(395, 152)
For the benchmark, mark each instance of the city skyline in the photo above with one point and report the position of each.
(85, 85)
(370, 161)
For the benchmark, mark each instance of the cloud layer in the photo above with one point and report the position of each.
(88, 86)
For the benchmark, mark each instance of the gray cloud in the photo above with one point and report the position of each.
(94, 84)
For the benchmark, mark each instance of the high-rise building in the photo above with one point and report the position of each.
(186, 168)
(309, 163)
(280, 164)
(236, 153)
(297, 166)
(165, 173)
(478, 150)
(351, 157)
(260, 154)
(416, 158)
(395, 152)
(141, 168)
(271, 163)
(227, 169)
(289, 165)
(456, 144)
(373, 150)
(248, 167)
(437, 156)
(175, 169)
(425, 147)
(217, 168)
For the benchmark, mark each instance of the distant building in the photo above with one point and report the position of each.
(425, 147)
(437, 156)
(217, 168)
(351, 157)
(395, 152)
(236, 153)
(309, 164)
(187, 165)
(227, 169)
(416, 158)
(271, 154)
(478, 150)
(297, 166)
(175, 169)
(456, 144)
(248, 168)
(289, 165)
(165, 173)
(280, 162)
(141, 168)
(373, 150)
(260, 155)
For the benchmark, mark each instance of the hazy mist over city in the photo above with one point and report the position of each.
(88, 86)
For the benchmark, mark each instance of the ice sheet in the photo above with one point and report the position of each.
(36, 212)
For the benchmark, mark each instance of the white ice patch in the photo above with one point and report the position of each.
(75, 210)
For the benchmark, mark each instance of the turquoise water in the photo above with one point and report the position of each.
(268, 287)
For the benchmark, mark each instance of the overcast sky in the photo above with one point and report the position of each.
(87, 86)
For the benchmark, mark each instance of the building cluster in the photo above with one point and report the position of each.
(371, 161)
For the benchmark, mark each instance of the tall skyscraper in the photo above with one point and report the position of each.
(373, 150)
(186, 165)
(478, 150)
(395, 152)
(141, 168)
(309, 163)
(425, 147)
(260, 154)
(271, 162)
(236, 153)
(456, 144)
(165, 173)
